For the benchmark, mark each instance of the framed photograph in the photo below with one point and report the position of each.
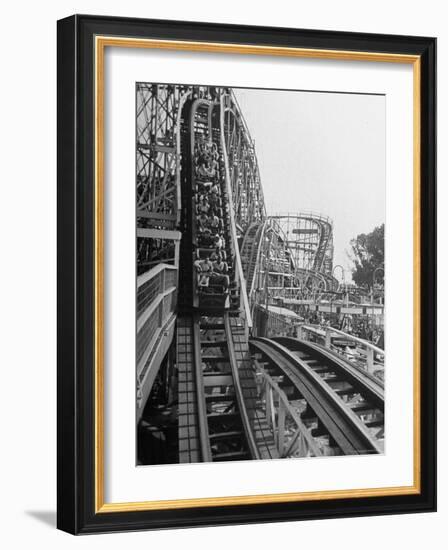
(246, 274)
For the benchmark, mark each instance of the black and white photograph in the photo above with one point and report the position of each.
(220, 297)
(260, 291)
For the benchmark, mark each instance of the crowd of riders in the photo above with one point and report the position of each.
(212, 269)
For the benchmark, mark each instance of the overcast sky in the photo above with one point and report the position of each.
(323, 152)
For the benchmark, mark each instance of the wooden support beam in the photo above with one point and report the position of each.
(158, 234)
(281, 427)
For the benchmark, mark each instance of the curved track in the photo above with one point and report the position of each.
(250, 256)
(341, 407)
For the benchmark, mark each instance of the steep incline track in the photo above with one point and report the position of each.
(211, 402)
(217, 413)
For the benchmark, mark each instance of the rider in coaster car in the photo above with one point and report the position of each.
(214, 190)
(204, 269)
(204, 205)
(215, 223)
(218, 241)
(203, 221)
(220, 270)
(213, 199)
(205, 167)
(206, 238)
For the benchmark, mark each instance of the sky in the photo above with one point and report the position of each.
(324, 152)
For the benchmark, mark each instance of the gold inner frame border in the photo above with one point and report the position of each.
(100, 44)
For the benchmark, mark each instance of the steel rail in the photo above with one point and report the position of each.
(367, 383)
(239, 267)
(247, 439)
(342, 424)
(361, 341)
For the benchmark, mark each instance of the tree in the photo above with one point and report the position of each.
(368, 255)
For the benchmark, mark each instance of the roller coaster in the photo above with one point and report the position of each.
(211, 386)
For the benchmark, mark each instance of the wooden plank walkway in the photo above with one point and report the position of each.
(189, 447)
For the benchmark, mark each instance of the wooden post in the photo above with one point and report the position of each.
(160, 313)
(267, 393)
(302, 446)
(370, 357)
(162, 281)
(272, 408)
(281, 427)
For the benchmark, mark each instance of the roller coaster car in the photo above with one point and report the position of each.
(209, 294)
(208, 252)
(213, 297)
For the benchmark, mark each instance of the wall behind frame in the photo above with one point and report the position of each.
(28, 275)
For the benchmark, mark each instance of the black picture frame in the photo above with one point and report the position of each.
(76, 256)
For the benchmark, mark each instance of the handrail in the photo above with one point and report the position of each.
(153, 306)
(152, 347)
(366, 355)
(361, 341)
(145, 277)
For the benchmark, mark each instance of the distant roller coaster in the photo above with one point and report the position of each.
(309, 238)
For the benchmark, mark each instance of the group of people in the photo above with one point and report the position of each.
(211, 268)
(360, 327)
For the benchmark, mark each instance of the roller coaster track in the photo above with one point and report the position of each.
(212, 393)
(326, 233)
(324, 281)
(342, 407)
(222, 415)
(218, 415)
(312, 260)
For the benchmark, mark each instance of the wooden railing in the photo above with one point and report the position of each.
(239, 268)
(364, 354)
(156, 307)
